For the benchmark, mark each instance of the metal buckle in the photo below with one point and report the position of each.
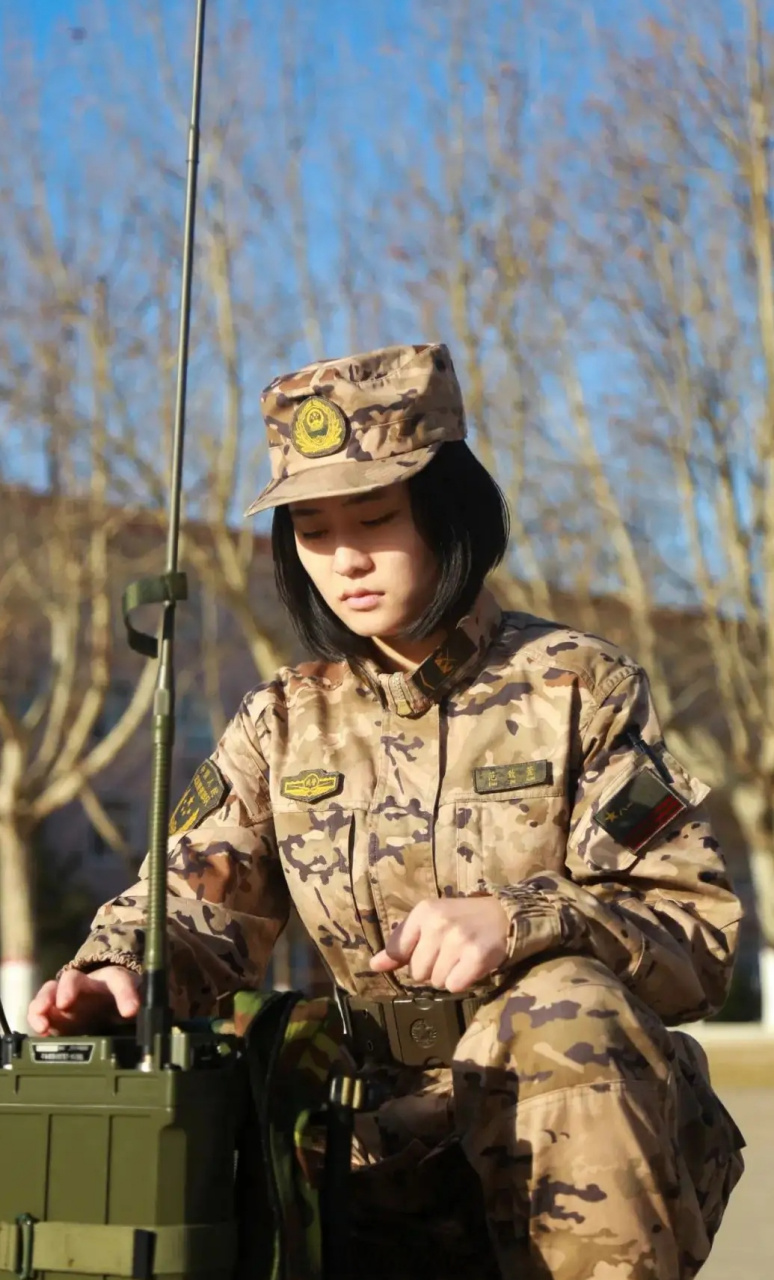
(340, 998)
(25, 1246)
(346, 1091)
(369, 1032)
(427, 1029)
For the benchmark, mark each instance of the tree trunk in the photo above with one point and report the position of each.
(17, 934)
(762, 872)
(766, 971)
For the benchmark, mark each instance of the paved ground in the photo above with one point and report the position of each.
(744, 1246)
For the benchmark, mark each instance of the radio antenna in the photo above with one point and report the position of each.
(154, 1019)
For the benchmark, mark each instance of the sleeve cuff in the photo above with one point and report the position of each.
(537, 921)
(88, 963)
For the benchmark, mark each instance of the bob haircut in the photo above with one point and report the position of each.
(461, 513)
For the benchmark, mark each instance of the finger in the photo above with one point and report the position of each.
(61, 1022)
(70, 987)
(425, 957)
(448, 956)
(470, 967)
(404, 938)
(382, 963)
(45, 998)
(123, 986)
(38, 1022)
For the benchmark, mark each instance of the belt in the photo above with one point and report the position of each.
(417, 1031)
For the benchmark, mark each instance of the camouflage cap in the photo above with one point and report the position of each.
(357, 423)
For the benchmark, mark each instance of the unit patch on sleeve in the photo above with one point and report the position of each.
(504, 777)
(206, 791)
(311, 785)
(643, 807)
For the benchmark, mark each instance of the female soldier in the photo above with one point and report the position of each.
(469, 806)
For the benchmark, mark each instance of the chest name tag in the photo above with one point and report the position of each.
(504, 777)
(313, 784)
(206, 791)
(642, 808)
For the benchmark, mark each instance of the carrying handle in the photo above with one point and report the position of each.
(167, 588)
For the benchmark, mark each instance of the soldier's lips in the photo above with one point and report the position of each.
(363, 600)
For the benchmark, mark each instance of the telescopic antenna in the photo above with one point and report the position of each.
(154, 1019)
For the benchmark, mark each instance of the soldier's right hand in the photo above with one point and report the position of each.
(82, 1002)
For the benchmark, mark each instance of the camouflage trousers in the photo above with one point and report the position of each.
(575, 1138)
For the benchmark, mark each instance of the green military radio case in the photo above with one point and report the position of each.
(110, 1169)
(226, 1154)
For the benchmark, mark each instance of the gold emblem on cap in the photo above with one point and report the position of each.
(319, 428)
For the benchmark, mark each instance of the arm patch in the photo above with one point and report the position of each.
(205, 792)
(643, 807)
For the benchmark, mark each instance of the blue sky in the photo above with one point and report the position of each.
(48, 21)
(558, 52)
(352, 60)
(51, 21)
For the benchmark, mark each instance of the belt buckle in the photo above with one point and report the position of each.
(427, 1030)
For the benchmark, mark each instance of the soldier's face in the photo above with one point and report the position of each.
(367, 559)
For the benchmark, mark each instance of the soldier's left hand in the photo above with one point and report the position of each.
(448, 942)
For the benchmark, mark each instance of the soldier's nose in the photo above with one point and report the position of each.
(348, 561)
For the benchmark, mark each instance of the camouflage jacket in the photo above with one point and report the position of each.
(522, 759)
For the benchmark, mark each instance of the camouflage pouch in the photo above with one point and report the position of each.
(710, 1141)
(292, 1050)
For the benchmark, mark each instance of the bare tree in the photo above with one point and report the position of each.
(673, 249)
(88, 345)
(58, 616)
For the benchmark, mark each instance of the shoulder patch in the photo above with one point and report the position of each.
(503, 777)
(311, 785)
(643, 807)
(206, 791)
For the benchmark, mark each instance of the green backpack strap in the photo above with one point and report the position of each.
(304, 1108)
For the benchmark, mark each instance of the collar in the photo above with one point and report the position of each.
(412, 693)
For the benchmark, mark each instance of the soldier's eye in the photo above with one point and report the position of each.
(371, 524)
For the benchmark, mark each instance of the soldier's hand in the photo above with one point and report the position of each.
(448, 942)
(81, 1002)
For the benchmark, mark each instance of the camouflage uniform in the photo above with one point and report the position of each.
(522, 759)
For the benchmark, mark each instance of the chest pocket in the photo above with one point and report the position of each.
(504, 837)
(315, 848)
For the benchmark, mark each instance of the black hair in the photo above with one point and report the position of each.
(461, 513)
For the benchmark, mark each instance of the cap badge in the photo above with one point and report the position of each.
(319, 428)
